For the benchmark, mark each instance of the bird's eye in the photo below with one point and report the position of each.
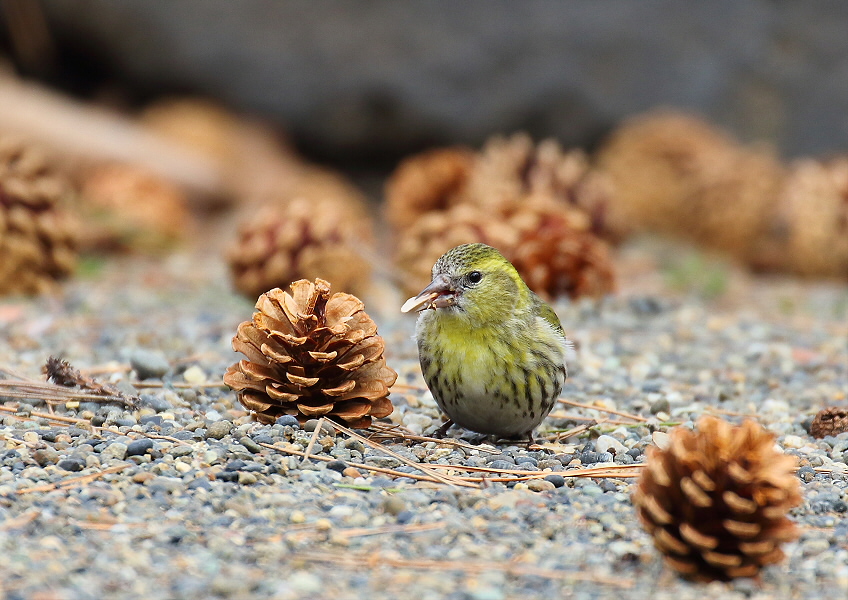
(475, 277)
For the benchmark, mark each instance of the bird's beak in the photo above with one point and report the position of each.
(439, 294)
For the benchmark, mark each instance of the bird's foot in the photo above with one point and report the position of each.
(441, 431)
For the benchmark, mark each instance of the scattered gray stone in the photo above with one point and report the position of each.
(46, 456)
(289, 421)
(72, 464)
(139, 447)
(219, 429)
(149, 364)
(157, 402)
(116, 450)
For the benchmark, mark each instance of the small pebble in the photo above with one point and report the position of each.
(219, 429)
(540, 485)
(148, 364)
(288, 420)
(71, 464)
(139, 447)
(46, 456)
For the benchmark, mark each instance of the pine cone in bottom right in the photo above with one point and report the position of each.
(715, 500)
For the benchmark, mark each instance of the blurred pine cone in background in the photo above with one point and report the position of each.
(127, 208)
(196, 123)
(38, 235)
(513, 169)
(673, 173)
(808, 231)
(307, 237)
(310, 354)
(716, 499)
(427, 182)
(551, 245)
(540, 206)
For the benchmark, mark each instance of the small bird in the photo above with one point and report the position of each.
(491, 351)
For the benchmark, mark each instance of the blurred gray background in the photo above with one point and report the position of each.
(368, 81)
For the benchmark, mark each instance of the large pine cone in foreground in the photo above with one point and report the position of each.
(37, 236)
(310, 354)
(715, 500)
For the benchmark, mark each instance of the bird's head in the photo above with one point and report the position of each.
(472, 281)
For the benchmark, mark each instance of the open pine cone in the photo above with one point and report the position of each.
(808, 232)
(550, 244)
(302, 238)
(655, 161)
(675, 174)
(426, 182)
(310, 354)
(37, 235)
(830, 421)
(539, 205)
(715, 500)
(730, 207)
(515, 170)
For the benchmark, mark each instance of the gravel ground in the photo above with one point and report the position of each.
(211, 512)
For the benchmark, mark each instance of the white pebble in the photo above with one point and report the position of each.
(194, 375)
(792, 441)
(607, 443)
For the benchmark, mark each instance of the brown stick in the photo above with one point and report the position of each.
(420, 466)
(606, 410)
(74, 481)
(370, 561)
(95, 134)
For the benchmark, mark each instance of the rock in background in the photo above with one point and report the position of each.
(374, 80)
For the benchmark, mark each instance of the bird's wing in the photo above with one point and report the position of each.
(548, 314)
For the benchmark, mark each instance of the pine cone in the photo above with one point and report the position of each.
(311, 355)
(515, 170)
(550, 245)
(733, 198)
(808, 233)
(830, 421)
(557, 254)
(129, 208)
(426, 182)
(715, 501)
(198, 124)
(37, 235)
(303, 238)
(655, 162)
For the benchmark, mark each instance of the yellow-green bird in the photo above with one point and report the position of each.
(491, 351)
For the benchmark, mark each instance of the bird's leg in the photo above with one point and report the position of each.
(530, 439)
(441, 431)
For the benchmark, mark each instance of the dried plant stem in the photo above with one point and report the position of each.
(313, 439)
(589, 419)
(398, 431)
(49, 392)
(370, 561)
(74, 481)
(601, 409)
(178, 385)
(366, 531)
(355, 465)
(423, 468)
(611, 471)
(86, 424)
